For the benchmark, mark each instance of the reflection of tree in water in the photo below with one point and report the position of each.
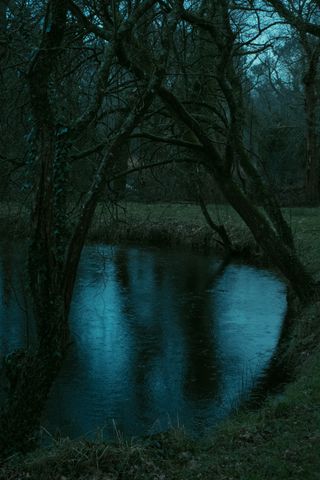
(121, 263)
(7, 267)
(146, 355)
(197, 316)
(147, 336)
(192, 314)
(16, 327)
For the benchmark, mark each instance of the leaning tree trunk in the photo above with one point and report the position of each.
(281, 255)
(312, 184)
(263, 231)
(232, 88)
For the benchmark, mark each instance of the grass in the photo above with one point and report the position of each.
(279, 440)
(184, 224)
(180, 224)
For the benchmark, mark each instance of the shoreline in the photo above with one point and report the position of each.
(266, 438)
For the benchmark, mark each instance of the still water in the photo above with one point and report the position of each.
(161, 338)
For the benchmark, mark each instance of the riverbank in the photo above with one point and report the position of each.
(280, 440)
(176, 225)
(184, 225)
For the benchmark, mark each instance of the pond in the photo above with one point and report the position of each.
(161, 338)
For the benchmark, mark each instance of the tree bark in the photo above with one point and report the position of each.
(31, 376)
(34, 372)
(311, 108)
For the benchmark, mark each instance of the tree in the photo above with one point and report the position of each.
(303, 18)
(291, 12)
(56, 246)
(310, 81)
(271, 232)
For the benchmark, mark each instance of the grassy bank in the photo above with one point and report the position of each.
(175, 224)
(280, 440)
(184, 225)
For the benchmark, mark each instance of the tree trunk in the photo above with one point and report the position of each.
(282, 256)
(264, 196)
(3, 29)
(30, 377)
(311, 107)
(3, 16)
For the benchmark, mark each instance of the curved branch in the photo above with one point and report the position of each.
(295, 20)
(169, 140)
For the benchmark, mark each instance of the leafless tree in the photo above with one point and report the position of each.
(304, 17)
(55, 244)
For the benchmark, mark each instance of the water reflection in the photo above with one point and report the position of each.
(160, 337)
(15, 325)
